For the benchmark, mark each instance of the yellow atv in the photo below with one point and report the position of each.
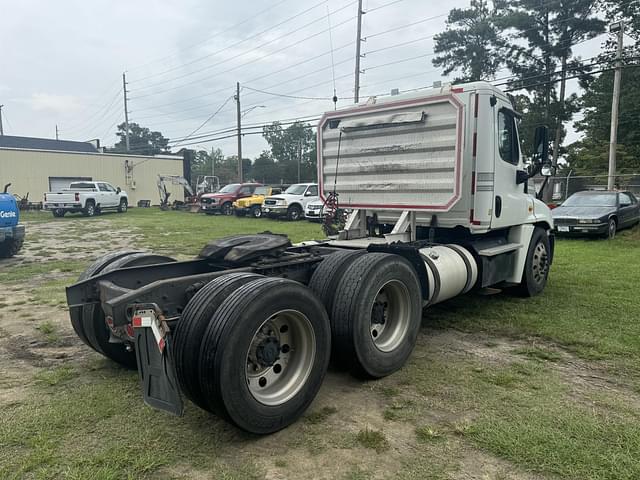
(253, 205)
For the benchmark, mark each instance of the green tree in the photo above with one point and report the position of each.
(590, 156)
(289, 146)
(142, 141)
(206, 163)
(551, 28)
(471, 43)
(264, 169)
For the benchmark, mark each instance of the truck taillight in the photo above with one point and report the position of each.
(77, 197)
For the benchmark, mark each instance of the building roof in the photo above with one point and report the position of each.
(32, 143)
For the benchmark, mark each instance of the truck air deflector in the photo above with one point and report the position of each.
(404, 155)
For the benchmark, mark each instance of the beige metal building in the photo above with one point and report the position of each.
(37, 171)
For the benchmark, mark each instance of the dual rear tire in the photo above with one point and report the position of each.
(375, 302)
(253, 349)
(90, 324)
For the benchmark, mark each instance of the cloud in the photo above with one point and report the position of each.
(51, 102)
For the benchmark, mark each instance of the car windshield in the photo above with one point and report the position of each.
(232, 187)
(296, 189)
(261, 191)
(591, 200)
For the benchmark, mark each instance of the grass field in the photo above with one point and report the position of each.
(498, 386)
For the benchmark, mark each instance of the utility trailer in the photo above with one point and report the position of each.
(437, 187)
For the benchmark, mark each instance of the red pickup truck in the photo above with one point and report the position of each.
(222, 201)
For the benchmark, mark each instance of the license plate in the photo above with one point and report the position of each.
(563, 229)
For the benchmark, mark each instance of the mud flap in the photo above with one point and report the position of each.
(157, 372)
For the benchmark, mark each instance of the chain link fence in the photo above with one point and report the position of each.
(567, 185)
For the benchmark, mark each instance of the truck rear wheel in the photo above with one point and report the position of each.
(536, 267)
(327, 275)
(264, 354)
(93, 326)
(376, 314)
(89, 209)
(192, 326)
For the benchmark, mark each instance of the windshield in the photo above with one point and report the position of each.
(296, 189)
(232, 187)
(261, 191)
(591, 200)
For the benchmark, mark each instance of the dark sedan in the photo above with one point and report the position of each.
(596, 213)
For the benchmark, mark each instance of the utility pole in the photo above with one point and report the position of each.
(126, 111)
(237, 99)
(615, 104)
(1, 130)
(57, 136)
(356, 90)
(299, 158)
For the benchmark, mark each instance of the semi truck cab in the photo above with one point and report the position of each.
(11, 232)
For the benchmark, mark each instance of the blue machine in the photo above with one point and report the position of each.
(11, 232)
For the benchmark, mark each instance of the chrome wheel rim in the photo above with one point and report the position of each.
(390, 316)
(540, 263)
(257, 213)
(280, 357)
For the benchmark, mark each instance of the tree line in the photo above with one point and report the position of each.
(529, 47)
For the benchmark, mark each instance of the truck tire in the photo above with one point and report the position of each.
(376, 314)
(256, 211)
(192, 326)
(226, 209)
(89, 209)
(94, 269)
(94, 325)
(10, 247)
(264, 354)
(536, 266)
(58, 212)
(326, 277)
(294, 213)
(122, 208)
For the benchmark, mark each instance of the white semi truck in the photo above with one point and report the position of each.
(437, 187)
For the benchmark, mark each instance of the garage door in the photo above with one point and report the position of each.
(59, 183)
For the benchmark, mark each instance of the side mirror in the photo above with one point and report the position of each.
(547, 170)
(118, 190)
(541, 145)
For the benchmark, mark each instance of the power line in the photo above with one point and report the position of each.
(246, 52)
(207, 120)
(285, 95)
(217, 34)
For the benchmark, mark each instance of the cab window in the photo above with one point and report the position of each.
(246, 190)
(508, 137)
(102, 187)
(312, 191)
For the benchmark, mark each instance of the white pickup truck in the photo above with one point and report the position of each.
(90, 198)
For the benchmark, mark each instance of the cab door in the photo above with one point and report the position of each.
(511, 205)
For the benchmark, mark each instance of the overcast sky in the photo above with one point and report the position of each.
(62, 62)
